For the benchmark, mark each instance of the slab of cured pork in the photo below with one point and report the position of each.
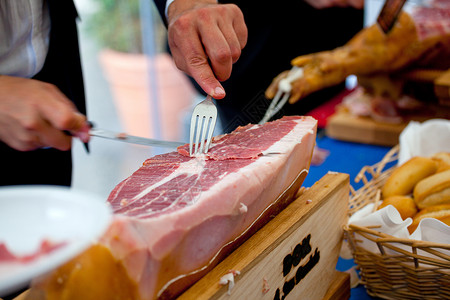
(176, 215)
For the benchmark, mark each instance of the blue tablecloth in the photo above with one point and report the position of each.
(344, 157)
(349, 158)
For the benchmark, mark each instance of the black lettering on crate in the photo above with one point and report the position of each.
(303, 270)
(288, 286)
(293, 259)
(287, 264)
(300, 251)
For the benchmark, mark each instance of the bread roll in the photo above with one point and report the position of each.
(433, 190)
(406, 176)
(442, 156)
(440, 212)
(442, 166)
(443, 160)
(404, 204)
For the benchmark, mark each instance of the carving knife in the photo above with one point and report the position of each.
(122, 137)
(389, 13)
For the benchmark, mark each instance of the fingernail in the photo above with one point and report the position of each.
(218, 91)
(83, 136)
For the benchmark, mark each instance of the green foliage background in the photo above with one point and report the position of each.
(116, 25)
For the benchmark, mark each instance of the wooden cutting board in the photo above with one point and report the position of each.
(440, 79)
(344, 126)
(442, 88)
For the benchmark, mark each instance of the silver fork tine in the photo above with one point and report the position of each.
(273, 107)
(283, 93)
(280, 104)
(268, 114)
(192, 132)
(200, 125)
(204, 127)
(204, 118)
(210, 133)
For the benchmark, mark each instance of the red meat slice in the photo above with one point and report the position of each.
(46, 247)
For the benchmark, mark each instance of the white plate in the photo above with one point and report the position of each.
(31, 214)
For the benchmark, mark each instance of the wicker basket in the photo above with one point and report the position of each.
(403, 268)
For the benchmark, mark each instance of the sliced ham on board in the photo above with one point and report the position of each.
(177, 216)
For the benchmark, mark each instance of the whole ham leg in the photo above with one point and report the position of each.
(421, 38)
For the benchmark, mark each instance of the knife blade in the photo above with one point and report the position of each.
(389, 13)
(122, 137)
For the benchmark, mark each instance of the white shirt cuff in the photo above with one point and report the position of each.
(167, 6)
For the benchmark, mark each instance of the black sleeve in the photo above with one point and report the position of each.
(161, 6)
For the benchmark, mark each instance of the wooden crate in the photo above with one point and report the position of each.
(294, 255)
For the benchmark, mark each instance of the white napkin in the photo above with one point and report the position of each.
(432, 230)
(390, 222)
(388, 219)
(424, 139)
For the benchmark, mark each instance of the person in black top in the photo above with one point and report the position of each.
(232, 46)
(232, 50)
(35, 111)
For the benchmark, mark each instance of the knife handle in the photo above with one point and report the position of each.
(86, 145)
(389, 13)
(89, 123)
